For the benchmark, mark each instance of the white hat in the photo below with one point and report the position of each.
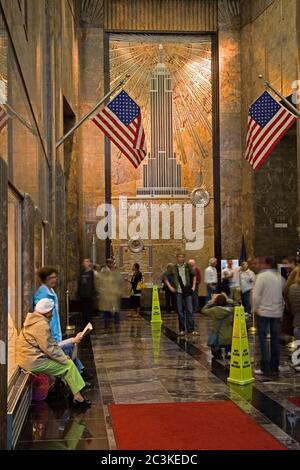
(44, 306)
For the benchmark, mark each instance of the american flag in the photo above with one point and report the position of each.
(268, 121)
(121, 122)
(3, 118)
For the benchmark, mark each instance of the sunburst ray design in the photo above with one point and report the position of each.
(188, 60)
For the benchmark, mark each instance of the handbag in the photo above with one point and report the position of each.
(140, 285)
(213, 339)
(40, 387)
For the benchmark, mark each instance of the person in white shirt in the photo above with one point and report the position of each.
(268, 306)
(211, 278)
(233, 276)
(247, 278)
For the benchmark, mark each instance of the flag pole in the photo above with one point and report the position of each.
(62, 139)
(12, 112)
(290, 106)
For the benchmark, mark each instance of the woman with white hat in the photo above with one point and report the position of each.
(39, 353)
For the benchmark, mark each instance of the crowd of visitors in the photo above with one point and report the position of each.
(256, 284)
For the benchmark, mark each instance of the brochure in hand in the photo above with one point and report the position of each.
(87, 330)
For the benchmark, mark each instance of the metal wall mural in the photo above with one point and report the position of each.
(170, 77)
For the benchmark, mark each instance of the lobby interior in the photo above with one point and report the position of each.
(58, 59)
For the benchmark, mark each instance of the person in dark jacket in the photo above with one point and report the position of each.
(86, 289)
(135, 299)
(168, 275)
(221, 310)
(197, 271)
(184, 288)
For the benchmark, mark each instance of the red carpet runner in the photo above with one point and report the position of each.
(295, 400)
(212, 425)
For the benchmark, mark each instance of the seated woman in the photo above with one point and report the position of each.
(221, 310)
(39, 353)
(48, 278)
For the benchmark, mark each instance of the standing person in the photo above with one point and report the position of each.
(287, 318)
(86, 289)
(284, 269)
(292, 298)
(109, 266)
(48, 278)
(184, 287)
(38, 352)
(197, 271)
(97, 271)
(169, 295)
(221, 310)
(292, 264)
(136, 292)
(254, 265)
(268, 306)
(232, 275)
(211, 278)
(109, 288)
(247, 278)
(225, 283)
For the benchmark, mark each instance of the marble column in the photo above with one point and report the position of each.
(230, 128)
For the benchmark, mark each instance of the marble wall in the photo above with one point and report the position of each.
(43, 75)
(28, 246)
(269, 47)
(3, 301)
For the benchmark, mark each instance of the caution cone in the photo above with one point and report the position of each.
(156, 334)
(240, 363)
(156, 313)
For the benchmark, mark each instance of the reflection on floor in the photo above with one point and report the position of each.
(135, 363)
(53, 425)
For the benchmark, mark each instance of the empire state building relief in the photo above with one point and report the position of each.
(162, 173)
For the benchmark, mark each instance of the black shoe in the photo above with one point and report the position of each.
(88, 386)
(273, 373)
(59, 390)
(217, 356)
(85, 403)
(87, 376)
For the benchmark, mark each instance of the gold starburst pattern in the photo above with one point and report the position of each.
(189, 62)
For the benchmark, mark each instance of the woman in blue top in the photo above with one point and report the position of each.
(48, 278)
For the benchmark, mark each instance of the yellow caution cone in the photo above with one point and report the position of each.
(156, 334)
(156, 313)
(240, 362)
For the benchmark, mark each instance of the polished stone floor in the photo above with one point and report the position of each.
(133, 362)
